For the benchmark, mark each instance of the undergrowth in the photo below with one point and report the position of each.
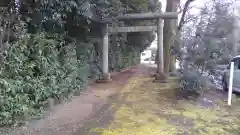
(192, 81)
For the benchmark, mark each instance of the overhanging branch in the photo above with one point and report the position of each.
(182, 21)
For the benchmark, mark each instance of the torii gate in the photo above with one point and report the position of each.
(138, 16)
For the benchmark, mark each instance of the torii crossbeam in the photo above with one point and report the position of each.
(138, 16)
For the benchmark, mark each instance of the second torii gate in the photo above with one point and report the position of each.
(160, 76)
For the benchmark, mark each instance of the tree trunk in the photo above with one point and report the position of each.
(167, 37)
(113, 56)
(172, 66)
(156, 56)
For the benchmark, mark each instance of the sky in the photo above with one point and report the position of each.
(196, 5)
(195, 10)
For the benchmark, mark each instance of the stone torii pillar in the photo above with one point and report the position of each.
(105, 77)
(160, 64)
(160, 76)
(137, 16)
(105, 50)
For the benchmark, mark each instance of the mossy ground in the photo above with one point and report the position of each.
(146, 108)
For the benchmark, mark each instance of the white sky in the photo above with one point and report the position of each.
(196, 5)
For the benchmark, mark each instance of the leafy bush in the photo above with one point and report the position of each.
(42, 66)
(36, 68)
(192, 81)
(39, 66)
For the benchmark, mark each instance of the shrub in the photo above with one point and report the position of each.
(192, 81)
(36, 68)
(42, 66)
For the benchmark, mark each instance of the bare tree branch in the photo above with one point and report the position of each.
(182, 20)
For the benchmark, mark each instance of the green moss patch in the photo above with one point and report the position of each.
(152, 109)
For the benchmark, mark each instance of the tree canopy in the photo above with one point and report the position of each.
(208, 39)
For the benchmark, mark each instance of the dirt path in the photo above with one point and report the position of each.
(133, 105)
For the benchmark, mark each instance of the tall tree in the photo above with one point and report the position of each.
(209, 41)
(168, 31)
(174, 37)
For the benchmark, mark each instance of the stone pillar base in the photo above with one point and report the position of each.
(104, 78)
(160, 77)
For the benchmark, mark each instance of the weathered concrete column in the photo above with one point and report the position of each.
(160, 76)
(105, 72)
(105, 50)
(160, 64)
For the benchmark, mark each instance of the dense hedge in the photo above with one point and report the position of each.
(42, 66)
(36, 68)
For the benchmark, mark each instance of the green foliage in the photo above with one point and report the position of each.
(59, 55)
(224, 60)
(212, 42)
(136, 5)
(72, 15)
(39, 67)
(123, 55)
(192, 81)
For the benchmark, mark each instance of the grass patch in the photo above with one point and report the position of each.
(149, 108)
